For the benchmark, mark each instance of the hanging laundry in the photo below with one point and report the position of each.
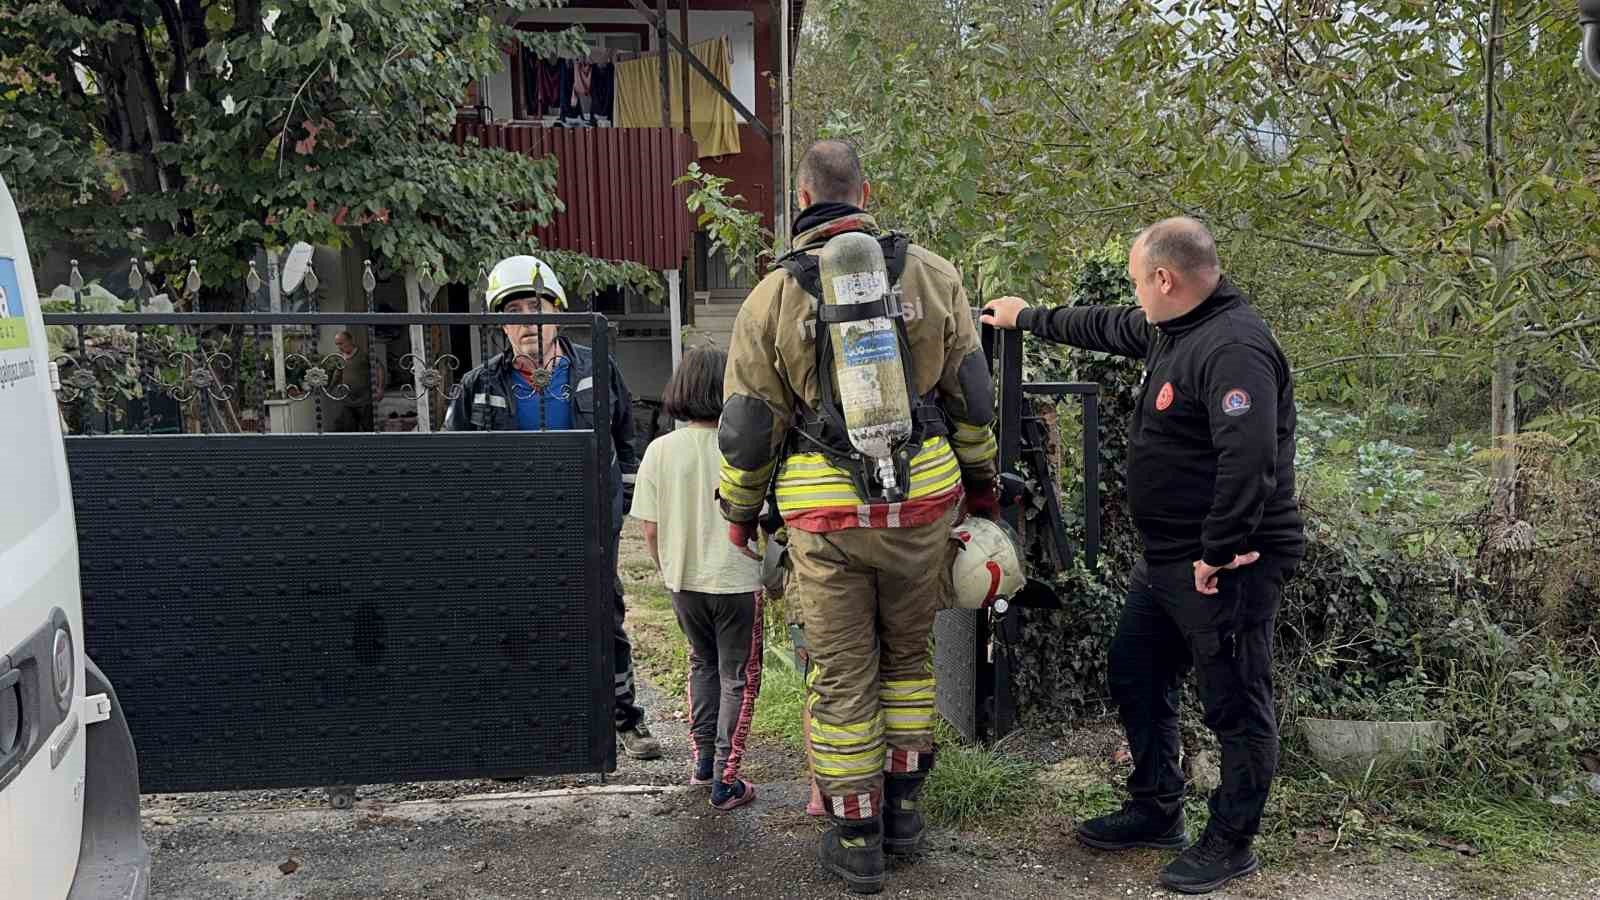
(549, 78)
(713, 123)
(603, 90)
(530, 81)
(582, 78)
(569, 106)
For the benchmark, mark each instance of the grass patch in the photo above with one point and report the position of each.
(972, 784)
(1510, 832)
(782, 697)
(1440, 820)
(660, 651)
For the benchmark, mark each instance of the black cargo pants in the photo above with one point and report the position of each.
(1166, 629)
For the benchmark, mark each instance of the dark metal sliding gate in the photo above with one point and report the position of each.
(320, 609)
(973, 672)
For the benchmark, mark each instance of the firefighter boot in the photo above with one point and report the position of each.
(853, 850)
(902, 813)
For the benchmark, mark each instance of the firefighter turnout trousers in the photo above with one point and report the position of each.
(867, 598)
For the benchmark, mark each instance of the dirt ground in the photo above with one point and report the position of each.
(643, 833)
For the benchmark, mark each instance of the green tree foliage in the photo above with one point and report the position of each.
(182, 129)
(1407, 188)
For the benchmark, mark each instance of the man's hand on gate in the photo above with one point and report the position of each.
(742, 535)
(1205, 577)
(1002, 313)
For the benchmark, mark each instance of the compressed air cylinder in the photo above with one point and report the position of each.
(866, 354)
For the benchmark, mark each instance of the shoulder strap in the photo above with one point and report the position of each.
(807, 270)
(894, 246)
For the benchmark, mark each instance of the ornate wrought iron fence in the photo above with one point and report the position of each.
(153, 369)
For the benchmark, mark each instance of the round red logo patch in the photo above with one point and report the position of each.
(1164, 399)
(1236, 402)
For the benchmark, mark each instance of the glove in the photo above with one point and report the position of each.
(983, 500)
(742, 535)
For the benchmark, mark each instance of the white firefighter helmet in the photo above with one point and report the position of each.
(988, 564)
(519, 275)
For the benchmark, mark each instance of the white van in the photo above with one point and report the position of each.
(69, 781)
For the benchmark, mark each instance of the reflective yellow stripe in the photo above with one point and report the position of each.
(972, 434)
(845, 754)
(974, 444)
(915, 689)
(809, 481)
(817, 492)
(911, 726)
(802, 463)
(859, 731)
(744, 489)
(848, 745)
(865, 768)
(746, 478)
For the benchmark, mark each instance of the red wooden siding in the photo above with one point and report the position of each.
(617, 185)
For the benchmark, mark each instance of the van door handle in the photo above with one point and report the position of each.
(12, 727)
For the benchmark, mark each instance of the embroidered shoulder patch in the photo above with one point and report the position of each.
(1235, 402)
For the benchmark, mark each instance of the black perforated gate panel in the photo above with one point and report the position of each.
(345, 609)
(956, 670)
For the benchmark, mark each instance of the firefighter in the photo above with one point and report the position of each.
(1211, 486)
(868, 535)
(540, 382)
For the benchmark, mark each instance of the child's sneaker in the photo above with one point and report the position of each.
(726, 796)
(700, 770)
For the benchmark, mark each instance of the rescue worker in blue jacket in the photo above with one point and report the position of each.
(1211, 487)
(543, 381)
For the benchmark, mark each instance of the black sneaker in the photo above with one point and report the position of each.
(1210, 864)
(1134, 826)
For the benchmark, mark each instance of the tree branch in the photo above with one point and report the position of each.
(1325, 248)
(1490, 147)
(194, 21)
(283, 136)
(1360, 357)
(1574, 325)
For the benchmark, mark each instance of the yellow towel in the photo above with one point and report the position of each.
(713, 123)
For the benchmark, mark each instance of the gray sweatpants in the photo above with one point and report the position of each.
(724, 632)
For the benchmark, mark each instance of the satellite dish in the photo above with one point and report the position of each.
(295, 266)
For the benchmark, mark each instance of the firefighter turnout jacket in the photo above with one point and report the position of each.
(772, 399)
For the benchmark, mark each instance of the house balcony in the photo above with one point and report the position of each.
(616, 184)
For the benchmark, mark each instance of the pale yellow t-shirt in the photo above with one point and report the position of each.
(676, 489)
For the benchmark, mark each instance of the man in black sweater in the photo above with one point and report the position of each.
(1211, 486)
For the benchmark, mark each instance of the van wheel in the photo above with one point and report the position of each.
(342, 797)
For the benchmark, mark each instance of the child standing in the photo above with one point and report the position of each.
(715, 588)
